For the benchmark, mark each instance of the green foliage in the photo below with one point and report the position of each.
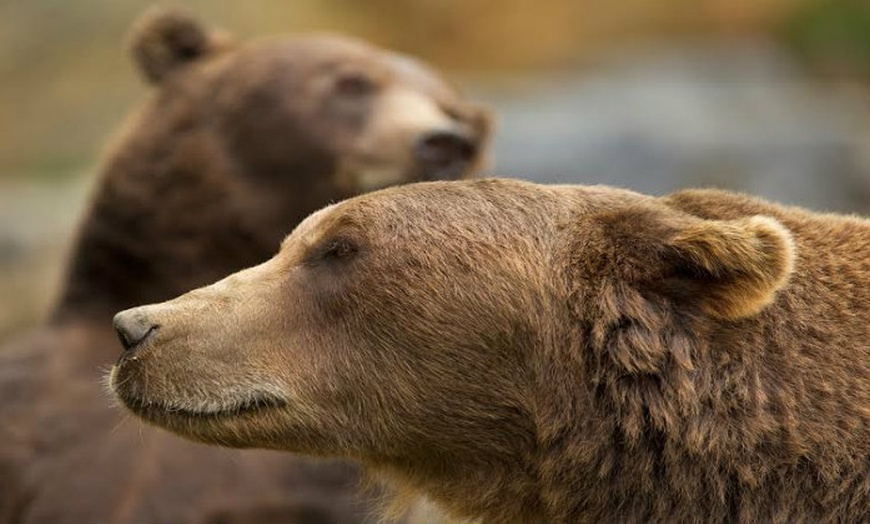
(833, 36)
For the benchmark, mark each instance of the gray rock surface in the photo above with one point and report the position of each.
(736, 115)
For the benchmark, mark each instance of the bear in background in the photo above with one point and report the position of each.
(238, 142)
(529, 353)
(247, 140)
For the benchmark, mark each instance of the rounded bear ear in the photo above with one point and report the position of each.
(732, 268)
(163, 40)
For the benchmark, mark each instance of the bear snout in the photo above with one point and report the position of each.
(446, 153)
(134, 327)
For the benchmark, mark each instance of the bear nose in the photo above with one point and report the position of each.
(446, 150)
(133, 327)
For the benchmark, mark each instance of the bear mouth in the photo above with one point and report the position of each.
(169, 415)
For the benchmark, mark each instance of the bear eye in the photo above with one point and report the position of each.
(354, 84)
(335, 249)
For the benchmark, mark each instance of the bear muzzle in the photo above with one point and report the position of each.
(446, 154)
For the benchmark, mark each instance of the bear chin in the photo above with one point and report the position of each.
(213, 422)
(236, 427)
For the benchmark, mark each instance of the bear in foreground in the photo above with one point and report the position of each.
(237, 144)
(530, 353)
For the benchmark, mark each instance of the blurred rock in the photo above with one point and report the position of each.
(735, 114)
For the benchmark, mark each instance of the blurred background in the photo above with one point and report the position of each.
(766, 96)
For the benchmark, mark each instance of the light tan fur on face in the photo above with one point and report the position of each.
(525, 353)
(385, 149)
(223, 394)
(226, 391)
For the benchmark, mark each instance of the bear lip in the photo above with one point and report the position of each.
(162, 413)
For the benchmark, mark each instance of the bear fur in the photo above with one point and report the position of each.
(529, 353)
(238, 142)
(249, 139)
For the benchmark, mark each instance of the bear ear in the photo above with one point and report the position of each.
(162, 40)
(731, 268)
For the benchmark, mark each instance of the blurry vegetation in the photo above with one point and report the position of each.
(65, 81)
(833, 37)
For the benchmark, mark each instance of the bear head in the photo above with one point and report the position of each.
(444, 333)
(367, 116)
(239, 141)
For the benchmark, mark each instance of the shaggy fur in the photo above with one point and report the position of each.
(205, 179)
(525, 353)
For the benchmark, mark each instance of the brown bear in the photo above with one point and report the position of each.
(238, 142)
(530, 353)
(248, 140)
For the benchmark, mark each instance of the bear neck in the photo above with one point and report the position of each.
(486, 488)
(141, 245)
(171, 214)
(667, 445)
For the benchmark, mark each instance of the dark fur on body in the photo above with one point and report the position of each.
(687, 416)
(547, 354)
(184, 199)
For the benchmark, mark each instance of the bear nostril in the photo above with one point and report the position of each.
(446, 148)
(133, 327)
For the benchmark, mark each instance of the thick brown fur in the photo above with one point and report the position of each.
(228, 155)
(525, 353)
(248, 140)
